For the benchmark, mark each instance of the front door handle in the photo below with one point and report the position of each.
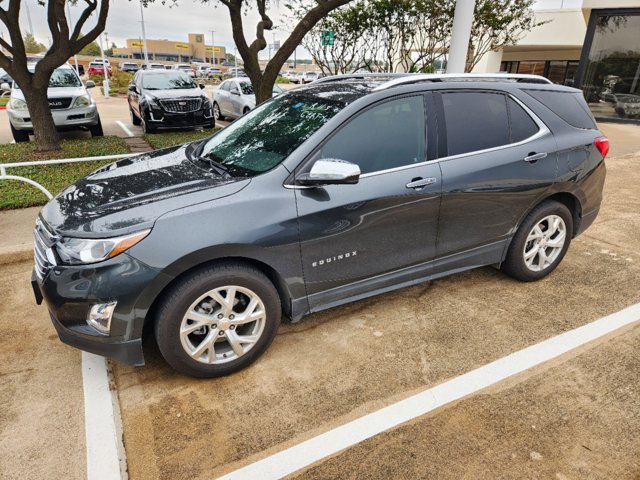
(418, 183)
(534, 157)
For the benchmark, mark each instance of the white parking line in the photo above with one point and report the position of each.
(310, 451)
(125, 129)
(103, 461)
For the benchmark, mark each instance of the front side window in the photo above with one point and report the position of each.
(386, 136)
(267, 135)
(475, 121)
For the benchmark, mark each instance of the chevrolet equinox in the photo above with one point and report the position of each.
(350, 187)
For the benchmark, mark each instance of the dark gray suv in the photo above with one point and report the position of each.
(350, 187)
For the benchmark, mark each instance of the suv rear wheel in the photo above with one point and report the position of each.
(218, 320)
(540, 243)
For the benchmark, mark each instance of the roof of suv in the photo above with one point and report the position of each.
(350, 87)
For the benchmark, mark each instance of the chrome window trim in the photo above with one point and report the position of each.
(543, 130)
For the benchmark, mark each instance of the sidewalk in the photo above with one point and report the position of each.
(16, 226)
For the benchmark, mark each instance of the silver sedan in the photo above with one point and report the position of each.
(235, 97)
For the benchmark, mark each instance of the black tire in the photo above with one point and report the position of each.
(246, 110)
(178, 301)
(96, 130)
(217, 113)
(515, 264)
(19, 135)
(134, 118)
(146, 127)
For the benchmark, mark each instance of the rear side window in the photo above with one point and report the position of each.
(475, 121)
(522, 125)
(569, 106)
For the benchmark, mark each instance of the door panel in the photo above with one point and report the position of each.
(359, 234)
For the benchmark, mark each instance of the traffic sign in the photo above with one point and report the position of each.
(326, 37)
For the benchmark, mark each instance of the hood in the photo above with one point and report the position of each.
(131, 194)
(177, 93)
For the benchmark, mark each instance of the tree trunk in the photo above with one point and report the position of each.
(44, 129)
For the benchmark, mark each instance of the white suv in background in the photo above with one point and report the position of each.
(71, 105)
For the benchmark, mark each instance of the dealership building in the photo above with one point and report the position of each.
(193, 50)
(593, 45)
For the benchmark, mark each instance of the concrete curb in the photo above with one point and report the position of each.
(16, 253)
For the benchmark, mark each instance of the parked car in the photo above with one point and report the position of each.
(235, 97)
(71, 105)
(323, 195)
(213, 72)
(186, 68)
(627, 105)
(129, 67)
(234, 72)
(96, 68)
(156, 66)
(201, 69)
(5, 77)
(289, 74)
(161, 99)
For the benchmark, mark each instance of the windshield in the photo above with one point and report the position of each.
(264, 137)
(170, 81)
(61, 77)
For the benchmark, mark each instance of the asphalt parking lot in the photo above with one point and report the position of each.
(575, 417)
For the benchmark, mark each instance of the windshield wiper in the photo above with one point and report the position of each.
(217, 166)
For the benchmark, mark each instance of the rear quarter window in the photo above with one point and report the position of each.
(569, 106)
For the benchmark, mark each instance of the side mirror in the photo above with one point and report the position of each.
(5, 87)
(330, 171)
(90, 84)
(201, 85)
(234, 92)
(133, 88)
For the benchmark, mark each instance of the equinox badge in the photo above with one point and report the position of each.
(336, 258)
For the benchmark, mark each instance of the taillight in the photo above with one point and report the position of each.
(602, 144)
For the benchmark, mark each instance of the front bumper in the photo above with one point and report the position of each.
(64, 119)
(166, 120)
(70, 291)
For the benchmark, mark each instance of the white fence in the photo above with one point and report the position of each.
(5, 166)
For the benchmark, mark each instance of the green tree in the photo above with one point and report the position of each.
(263, 81)
(66, 42)
(92, 49)
(31, 45)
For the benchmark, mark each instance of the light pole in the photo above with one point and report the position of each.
(462, 21)
(144, 36)
(105, 84)
(75, 56)
(213, 47)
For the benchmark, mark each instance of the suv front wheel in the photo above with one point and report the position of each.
(540, 243)
(19, 135)
(218, 320)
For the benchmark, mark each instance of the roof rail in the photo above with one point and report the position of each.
(360, 76)
(462, 77)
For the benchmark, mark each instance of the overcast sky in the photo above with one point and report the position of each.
(162, 22)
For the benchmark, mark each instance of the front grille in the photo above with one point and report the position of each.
(59, 103)
(43, 254)
(181, 106)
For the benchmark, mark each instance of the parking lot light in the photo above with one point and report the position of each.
(100, 317)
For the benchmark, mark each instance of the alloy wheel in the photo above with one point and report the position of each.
(545, 243)
(223, 324)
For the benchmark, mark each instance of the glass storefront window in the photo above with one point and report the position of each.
(611, 79)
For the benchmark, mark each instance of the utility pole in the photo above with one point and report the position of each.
(460, 34)
(144, 36)
(213, 47)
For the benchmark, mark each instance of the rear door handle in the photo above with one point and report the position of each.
(418, 183)
(534, 157)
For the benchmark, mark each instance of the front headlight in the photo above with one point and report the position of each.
(79, 251)
(17, 104)
(81, 101)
